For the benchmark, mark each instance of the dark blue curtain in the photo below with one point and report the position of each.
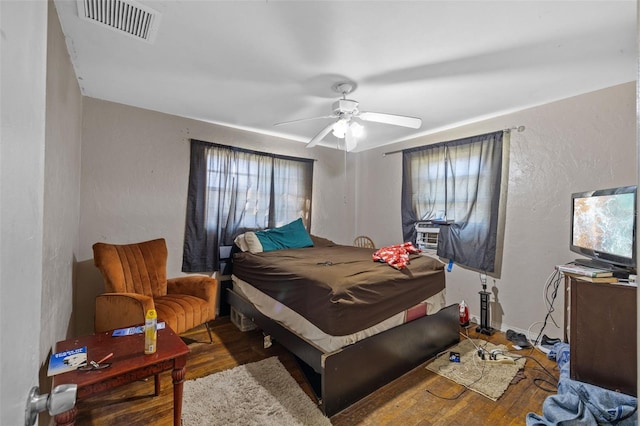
(233, 190)
(459, 181)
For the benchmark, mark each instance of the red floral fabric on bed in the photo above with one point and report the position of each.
(396, 255)
(339, 288)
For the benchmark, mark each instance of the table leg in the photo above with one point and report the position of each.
(156, 382)
(68, 418)
(178, 374)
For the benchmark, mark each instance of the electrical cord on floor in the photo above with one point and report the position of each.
(447, 398)
(538, 380)
(465, 387)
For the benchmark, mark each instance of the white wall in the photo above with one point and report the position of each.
(135, 169)
(23, 47)
(577, 144)
(39, 199)
(61, 190)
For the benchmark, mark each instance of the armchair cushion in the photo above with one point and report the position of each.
(119, 310)
(182, 312)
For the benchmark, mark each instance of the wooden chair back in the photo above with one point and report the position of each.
(363, 241)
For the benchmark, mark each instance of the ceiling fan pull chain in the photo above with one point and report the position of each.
(346, 179)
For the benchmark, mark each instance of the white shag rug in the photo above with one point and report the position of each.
(260, 393)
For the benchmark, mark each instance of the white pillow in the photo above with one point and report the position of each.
(253, 243)
(241, 242)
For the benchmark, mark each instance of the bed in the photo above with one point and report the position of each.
(357, 324)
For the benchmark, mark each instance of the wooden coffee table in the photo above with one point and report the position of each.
(128, 364)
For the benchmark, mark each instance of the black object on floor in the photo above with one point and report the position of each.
(547, 341)
(518, 339)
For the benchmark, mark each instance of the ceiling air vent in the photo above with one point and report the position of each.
(127, 17)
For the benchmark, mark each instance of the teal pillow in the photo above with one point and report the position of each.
(291, 235)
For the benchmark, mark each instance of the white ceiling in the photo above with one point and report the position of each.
(251, 64)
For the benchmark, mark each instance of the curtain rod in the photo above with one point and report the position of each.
(520, 129)
(251, 151)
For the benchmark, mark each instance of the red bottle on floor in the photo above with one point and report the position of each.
(463, 310)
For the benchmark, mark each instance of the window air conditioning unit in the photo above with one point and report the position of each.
(427, 236)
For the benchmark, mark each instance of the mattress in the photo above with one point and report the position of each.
(326, 342)
(340, 289)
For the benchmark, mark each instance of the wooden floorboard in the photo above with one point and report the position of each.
(419, 398)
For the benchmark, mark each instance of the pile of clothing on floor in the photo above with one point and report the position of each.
(578, 403)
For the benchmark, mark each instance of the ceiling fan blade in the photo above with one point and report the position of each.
(317, 138)
(397, 120)
(304, 119)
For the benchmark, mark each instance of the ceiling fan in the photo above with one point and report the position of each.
(345, 111)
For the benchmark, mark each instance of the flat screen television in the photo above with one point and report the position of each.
(603, 227)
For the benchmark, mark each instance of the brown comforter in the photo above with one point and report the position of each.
(340, 289)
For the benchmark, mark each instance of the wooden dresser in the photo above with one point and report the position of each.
(600, 326)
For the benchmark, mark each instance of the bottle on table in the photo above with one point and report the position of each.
(150, 332)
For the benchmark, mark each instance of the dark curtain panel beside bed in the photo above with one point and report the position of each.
(233, 190)
(459, 180)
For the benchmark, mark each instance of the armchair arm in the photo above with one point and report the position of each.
(200, 286)
(119, 310)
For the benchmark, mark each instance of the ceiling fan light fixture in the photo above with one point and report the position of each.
(340, 128)
(356, 129)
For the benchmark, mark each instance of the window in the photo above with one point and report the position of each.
(232, 190)
(457, 181)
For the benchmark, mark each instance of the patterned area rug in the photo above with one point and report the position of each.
(261, 393)
(486, 378)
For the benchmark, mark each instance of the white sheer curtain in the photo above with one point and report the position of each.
(239, 190)
(458, 181)
(291, 195)
(233, 190)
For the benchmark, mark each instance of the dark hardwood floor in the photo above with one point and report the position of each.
(420, 397)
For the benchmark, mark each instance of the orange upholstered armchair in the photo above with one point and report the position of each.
(135, 279)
